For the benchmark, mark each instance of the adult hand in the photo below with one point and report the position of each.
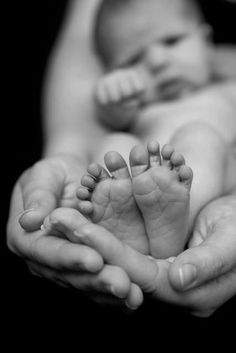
(207, 270)
(48, 184)
(201, 279)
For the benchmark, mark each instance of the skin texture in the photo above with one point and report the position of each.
(166, 55)
(147, 208)
(64, 262)
(211, 247)
(163, 54)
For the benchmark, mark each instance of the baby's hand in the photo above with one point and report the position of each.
(119, 96)
(119, 87)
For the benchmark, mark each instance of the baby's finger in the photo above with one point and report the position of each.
(137, 83)
(101, 93)
(113, 89)
(130, 85)
(126, 86)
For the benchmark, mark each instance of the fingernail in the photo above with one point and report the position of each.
(131, 307)
(187, 275)
(25, 212)
(115, 293)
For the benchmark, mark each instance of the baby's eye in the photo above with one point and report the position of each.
(135, 59)
(172, 40)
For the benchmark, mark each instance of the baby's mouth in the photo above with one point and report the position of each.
(173, 89)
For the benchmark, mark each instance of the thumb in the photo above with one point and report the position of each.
(41, 189)
(207, 261)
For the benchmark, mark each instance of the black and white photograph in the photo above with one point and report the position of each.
(119, 212)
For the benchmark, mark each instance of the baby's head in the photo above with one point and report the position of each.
(165, 40)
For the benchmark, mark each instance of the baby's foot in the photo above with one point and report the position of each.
(108, 201)
(161, 187)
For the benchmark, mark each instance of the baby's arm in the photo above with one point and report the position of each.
(69, 122)
(118, 98)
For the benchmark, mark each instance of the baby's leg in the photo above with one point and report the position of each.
(211, 160)
(106, 196)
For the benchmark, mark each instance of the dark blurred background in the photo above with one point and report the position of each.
(35, 308)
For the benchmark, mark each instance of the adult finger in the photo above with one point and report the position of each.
(109, 279)
(212, 258)
(139, 268)
(206, 299)
(52, 251)
(201, 301)
(109, 285)
(41, 187)
(133, 300)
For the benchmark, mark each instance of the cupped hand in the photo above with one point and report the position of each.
(201, 279)
(208, 268)
(48, 184)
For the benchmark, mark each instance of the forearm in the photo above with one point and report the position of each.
(69, 114)
(68, 105)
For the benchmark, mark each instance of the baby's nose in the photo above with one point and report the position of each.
(157, 58)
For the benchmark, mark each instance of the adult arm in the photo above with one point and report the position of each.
(68, 117)
(72, 72)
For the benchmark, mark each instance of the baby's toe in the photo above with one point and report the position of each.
(166, 152)
(116, 165)
(88, 182)
(83, 193)
(186, 175)
(139, 160)
(177, 160)
(154, 153)
(97, 172)
(85, 207)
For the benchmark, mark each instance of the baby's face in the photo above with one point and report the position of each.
(168, 50)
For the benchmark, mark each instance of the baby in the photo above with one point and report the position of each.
(151, 51)
(158, 86)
